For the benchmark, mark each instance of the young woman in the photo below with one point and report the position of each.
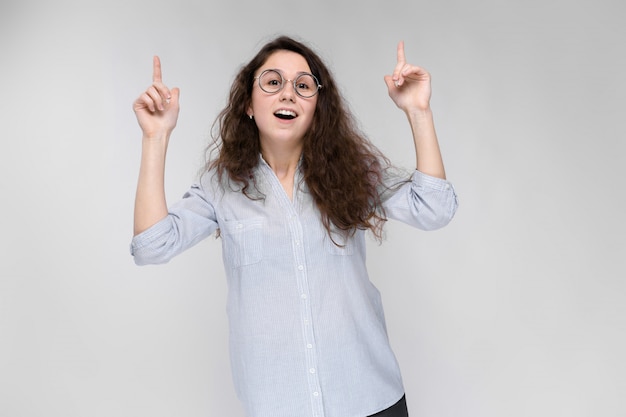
(291, 187)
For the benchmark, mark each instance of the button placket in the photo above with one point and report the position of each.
(298, 247)
(306, 317)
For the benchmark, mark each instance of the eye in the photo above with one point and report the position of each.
(306, 82)
(271, 81)
(302, 86)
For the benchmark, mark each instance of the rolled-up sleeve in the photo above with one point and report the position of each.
(425, 202)
(188, 222)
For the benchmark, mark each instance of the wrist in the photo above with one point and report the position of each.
(422, 113)
(155, 146)
(155, 138)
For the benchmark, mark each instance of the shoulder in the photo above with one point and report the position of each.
(216, 182)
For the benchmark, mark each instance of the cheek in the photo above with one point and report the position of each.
(311, 110)
(262, 123)
(254, 102)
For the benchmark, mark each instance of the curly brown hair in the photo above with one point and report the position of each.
(342, 169)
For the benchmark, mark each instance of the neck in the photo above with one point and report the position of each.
(283, 161)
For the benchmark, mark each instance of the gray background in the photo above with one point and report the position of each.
(517, 308)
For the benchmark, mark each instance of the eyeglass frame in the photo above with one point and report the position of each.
(283, 79)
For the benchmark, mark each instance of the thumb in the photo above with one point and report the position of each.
(389, 81)
(175, 94)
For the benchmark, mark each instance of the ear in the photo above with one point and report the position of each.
(249, 112)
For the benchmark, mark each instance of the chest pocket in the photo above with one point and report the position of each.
(346, 248)
(243, 241)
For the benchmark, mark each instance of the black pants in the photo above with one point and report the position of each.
(397, 410)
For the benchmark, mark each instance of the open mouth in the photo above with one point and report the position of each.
(285, 114)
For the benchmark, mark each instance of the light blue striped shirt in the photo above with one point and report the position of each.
(307, 330)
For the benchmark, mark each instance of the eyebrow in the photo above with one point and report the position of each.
(283, 74)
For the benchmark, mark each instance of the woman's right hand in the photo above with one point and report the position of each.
(157, 108)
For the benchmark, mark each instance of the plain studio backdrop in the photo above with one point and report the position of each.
(517, 308)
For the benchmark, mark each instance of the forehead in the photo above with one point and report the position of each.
(287, 61)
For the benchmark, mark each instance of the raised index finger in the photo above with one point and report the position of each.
(397, 78)
(156, 69)
(401, 57)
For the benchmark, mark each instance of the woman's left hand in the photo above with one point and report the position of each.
(409, 86)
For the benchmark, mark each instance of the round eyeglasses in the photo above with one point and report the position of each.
(305, 85)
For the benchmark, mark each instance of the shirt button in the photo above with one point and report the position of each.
(312, 370)
(309, 346)
(303, 296)
(239, 226)
(300, 267)
(316, 394)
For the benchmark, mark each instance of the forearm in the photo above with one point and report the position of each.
(428, 158)
(150, 203)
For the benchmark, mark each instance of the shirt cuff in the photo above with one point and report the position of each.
(428, 181)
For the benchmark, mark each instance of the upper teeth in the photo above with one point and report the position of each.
(286, 113)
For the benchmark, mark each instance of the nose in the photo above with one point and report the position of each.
(288, 92)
